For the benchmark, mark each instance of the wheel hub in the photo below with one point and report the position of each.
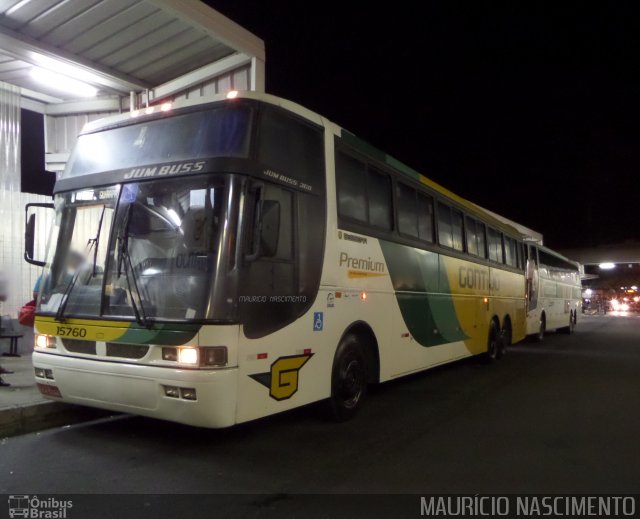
(351, 382)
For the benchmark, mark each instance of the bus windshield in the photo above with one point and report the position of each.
(154, 255)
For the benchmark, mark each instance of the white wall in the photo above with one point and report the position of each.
(20, 275)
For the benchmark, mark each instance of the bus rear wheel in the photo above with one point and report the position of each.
(507, 337)
(495, 346)
(348, 379)
(572, 324)
(542, 330)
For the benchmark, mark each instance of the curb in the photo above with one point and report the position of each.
(44, 415)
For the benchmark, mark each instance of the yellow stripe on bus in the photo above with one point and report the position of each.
(87, 329)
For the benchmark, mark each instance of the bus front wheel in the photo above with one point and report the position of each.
(348, 379)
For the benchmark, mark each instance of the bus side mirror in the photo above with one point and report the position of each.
(30, 234)
(266, 227)
(270, 230)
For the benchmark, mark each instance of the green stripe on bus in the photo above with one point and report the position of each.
(163, 334)
(423, 295)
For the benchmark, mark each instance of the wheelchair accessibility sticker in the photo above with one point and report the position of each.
(318, 321)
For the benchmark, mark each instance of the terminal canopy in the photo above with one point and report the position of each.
(75, 56)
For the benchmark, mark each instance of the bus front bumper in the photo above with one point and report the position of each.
(143, 390)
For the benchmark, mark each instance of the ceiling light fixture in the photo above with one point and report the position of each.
(62, 83)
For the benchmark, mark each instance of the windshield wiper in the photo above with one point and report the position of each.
(96, 241)
(65, 296)
(92, 243)
(124, 259)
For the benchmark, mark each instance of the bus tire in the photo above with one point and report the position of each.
(507, 337)
(348, 379)
(495, 344)
(572, 323)
(542, 329)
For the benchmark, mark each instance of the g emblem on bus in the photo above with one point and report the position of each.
(282, 380)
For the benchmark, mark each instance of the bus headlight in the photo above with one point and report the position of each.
(214, 356)
(170, 354)
(204, 356)
(43, 341)
(188, 355)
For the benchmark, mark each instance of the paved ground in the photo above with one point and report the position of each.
(23, 389)
(22, 407)
(559, 417)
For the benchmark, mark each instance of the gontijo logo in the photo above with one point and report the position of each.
(282, 380)
(38, 508)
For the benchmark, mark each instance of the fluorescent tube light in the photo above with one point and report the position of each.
(63, 83)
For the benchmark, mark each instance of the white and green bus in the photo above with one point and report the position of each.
(215, 263)
(554, 291)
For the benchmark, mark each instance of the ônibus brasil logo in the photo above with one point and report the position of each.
(33, 507)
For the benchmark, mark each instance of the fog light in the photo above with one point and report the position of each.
(170, 354)
(188, 355)
(48, 373)
(43, 341)
(214, 356)
(172, 391)
(188, 393)
(39, 373)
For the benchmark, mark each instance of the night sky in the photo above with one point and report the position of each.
(529, 110)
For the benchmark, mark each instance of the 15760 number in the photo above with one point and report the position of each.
(71, 331)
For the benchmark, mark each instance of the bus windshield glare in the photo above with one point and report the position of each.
(143, 248)
(219, 132)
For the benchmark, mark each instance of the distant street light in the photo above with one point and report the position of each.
(607, 266)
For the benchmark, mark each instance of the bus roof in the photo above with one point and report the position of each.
(349, 138)
(552, 252)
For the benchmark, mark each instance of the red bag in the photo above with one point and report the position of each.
(27, 314)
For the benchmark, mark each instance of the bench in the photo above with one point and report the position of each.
(7, 332)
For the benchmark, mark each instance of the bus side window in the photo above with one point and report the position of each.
(272, 274)
(472, 237)
(481, 231)
(456, 230)
(379, 198)
(425, 217)
(444, 225)
(415, 213)
(510, 251)
(407, 217)
(350, 184)
(285, 236)
(495, 246)
(289, 145)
